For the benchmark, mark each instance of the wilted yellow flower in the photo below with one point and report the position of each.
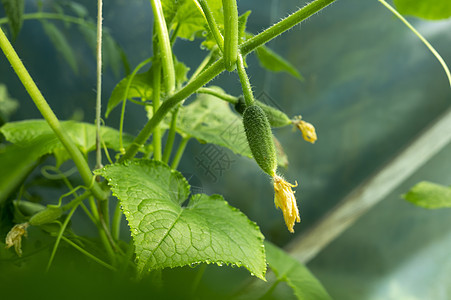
(307, 129)
(14, 237)
(285, 200)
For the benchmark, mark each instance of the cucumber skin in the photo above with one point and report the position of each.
(260, 139)
(45, 216)
(275, 117)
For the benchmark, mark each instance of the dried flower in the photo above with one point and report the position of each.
(285, 200)
(14, 237)
(307, 129)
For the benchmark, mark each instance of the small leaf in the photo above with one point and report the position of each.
(429, 195)
(14, 11)
(61, 44)
(167, 234)
(276, 63)
(426, 9)
(141, 87)
(295, 274)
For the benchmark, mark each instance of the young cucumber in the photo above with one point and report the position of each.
(275, 117)
(230, 33)
(50, 214)
(260, 139)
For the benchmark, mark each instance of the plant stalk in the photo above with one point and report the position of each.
(99, 84)
(50, 117)
(245, 83)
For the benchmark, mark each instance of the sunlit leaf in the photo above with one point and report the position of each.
(169, 234)
(429, 195)
(426, 9)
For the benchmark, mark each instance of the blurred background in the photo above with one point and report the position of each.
(370, 87)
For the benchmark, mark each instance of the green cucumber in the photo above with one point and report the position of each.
(260, 138)
(50, 214)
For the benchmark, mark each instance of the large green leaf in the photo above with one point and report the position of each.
(167, 234)
(37, 132)
(429, 195)
(8, 105)
(296, 275)
(426, 9)
(14, 10)
(61, 44)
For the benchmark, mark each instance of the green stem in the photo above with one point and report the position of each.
(230, 34)
(245, 84)
(127, 88)
(171, 136)
(116, 224)
(179, 153)
(97, 260)
(102, 234)
(206, 11)
(51, 16)
(282, 26)
(218, 94)
(165, 46)
(202, 65)
(99, 84)
(75, 202)
(270, 290)
(60, 234)
(217, 67)
(156, 135)
(50, 117)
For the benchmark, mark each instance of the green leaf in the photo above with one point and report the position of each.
(37, 132)
(426, 9)
(211, 120)
(8, 105)
(167, 234)
(429, 195)
(181, 71)
(61, 44)
(14, 11)
(276, 63)
(16, 163)
(295, 274)
(185, 15)
(140, 87)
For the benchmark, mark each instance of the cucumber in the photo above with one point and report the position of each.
(50, 214)
(275, 117)
(260, 139)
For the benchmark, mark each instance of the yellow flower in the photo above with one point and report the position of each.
(307, 129)
(285, 200)
(14, 237)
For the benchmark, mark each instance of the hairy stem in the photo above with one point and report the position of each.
(206, 11)
(218, 94)
(216, 68)
(165, 46)
(245, 83)
(99, 84)
(50, 117)
(156, 135)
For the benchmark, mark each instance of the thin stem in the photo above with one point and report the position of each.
(156, 135)
(171, 136)
(50, 117)
(99, 84)
(60, 234)
(217, 67)
(127, 88)
(282, 26)
(116, 224)
(97, 260)
(230, 34)
(434, 52)
(75, 202)
(179, 153)
(208, 15)
(271, 289)
(245, 83)
(218, 94)
(165, 46)
(202, 65)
